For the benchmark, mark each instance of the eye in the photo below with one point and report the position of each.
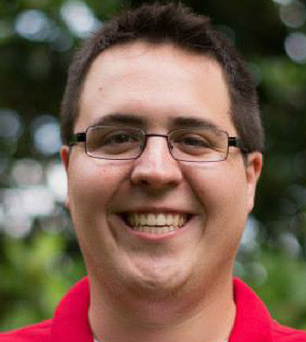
(117, 138)
(111, 141)
(193, 141)
(196, 142)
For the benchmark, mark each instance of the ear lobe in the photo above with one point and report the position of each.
(253, 171)
(64, 153)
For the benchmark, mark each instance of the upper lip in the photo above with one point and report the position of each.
(156, 210)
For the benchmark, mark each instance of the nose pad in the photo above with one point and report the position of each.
(156, 167)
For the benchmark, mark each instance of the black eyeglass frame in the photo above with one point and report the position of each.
(232, 142)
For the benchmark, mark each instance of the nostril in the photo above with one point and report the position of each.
(144, 182)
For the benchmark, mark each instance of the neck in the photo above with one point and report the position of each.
(167, 320)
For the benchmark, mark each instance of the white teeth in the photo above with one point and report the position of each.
(151, 220)
(170, 220)
(181, 221)
(142, 220)
(156, 223)
(161, 220)
(155, 230)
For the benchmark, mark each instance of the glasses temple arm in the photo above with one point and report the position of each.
(78, 137)
(237, 142)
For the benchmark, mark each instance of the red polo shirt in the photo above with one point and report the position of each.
(70, 323)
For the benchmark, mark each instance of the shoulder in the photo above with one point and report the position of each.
(254, 323)
(70, 321)
(284, 334)
(33, 333)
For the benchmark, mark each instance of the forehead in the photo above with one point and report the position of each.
(158, 83)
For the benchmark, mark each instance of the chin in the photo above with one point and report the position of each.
(159, 280)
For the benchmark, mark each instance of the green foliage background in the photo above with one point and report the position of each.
(37, 267)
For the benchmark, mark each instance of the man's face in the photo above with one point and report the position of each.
(154, 87)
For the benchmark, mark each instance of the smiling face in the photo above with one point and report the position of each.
(154, 224)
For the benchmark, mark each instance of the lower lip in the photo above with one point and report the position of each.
(155, 237)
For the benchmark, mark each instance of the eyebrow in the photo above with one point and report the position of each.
(119, 119)
(134, 120)
(187, 121)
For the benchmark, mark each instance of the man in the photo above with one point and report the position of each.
(162, 148)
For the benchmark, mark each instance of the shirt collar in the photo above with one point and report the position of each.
(70, 324)
(253, 321)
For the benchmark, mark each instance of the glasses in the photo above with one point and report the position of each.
(204, 144)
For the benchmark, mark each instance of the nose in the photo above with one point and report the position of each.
(156, 168)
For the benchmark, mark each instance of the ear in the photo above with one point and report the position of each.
(253, 170)
(64, 153)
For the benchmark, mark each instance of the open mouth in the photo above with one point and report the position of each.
(155, 223)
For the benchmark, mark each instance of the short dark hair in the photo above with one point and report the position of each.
(176, 24)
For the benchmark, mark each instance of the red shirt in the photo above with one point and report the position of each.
(253, 323)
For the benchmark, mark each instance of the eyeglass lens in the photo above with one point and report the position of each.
(120, 143)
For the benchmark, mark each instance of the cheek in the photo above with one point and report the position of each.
(222, 193)
(92, 185)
